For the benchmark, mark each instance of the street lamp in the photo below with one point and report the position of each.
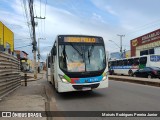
(120, 47)
(121, 44)
(115, 43)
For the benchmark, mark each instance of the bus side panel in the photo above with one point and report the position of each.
(51, 70)
(49, 74)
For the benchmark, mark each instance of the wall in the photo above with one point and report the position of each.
(1, 33)
(9, 74)
(147, 41)
(6, 37)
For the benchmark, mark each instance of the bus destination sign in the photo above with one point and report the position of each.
(80, 39)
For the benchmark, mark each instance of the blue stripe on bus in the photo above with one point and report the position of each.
(121, 67)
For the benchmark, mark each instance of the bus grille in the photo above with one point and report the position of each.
(79, 87)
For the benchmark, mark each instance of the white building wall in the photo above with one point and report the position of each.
(157, 50)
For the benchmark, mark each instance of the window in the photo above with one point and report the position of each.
(81, 57)
(130, 61)
(120, 63)
(49, 59)
(151, 51)
(144, 52)
(125, 62)
(114, 63)
(143, 60)
(136, 61)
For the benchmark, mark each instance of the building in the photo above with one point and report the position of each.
(6, 39)
(146, 44)
(23, 57)
(127, 54)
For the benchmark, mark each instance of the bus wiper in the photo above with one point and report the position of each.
(81, 54)
(89, 56)
(90, 53)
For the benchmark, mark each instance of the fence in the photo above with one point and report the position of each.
(9, 74)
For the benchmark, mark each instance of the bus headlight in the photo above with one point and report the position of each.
(63, 79)
(104, 78)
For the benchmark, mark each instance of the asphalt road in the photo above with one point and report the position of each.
(120, 96)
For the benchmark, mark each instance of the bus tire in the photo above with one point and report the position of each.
(130, 73)
(134, 75)
(149, 76)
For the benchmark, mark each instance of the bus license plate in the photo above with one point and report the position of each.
(86, 88)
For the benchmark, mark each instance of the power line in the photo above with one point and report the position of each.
(23, 46)
(26, 14)
(144, 26)
(45, 16)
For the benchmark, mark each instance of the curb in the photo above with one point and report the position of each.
(143, 81)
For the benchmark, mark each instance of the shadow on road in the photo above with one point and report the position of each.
(78, 94)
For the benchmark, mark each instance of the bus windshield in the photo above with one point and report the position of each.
(82, 57)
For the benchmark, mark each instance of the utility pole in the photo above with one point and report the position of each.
(38, 45)
(34, 43)
(39, 53)
(121, 44)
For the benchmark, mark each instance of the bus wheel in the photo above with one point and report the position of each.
(149, 76)
(130, 73)
(134, 75)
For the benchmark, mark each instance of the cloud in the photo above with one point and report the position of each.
(104, 18)
(130, 16)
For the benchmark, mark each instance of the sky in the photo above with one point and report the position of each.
(106, 18)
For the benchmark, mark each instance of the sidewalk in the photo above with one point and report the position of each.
(138, 80)
(26, 98)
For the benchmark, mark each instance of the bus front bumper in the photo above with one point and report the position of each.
(67, 87)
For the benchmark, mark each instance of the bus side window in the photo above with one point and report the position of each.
(125, 62)
(136, 61)
(130, 61)
(114, 63)
(143, 60)
(49, 59)
(120, 63)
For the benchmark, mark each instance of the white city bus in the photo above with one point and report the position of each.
(48, 72)
(78, 63)
(128, 66)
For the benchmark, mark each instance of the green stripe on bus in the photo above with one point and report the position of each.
(142, 66)
(67, 78)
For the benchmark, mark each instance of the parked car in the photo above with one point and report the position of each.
(148, 72)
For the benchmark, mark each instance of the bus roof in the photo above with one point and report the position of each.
(69, 35)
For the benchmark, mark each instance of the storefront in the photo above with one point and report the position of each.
(146, 44)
